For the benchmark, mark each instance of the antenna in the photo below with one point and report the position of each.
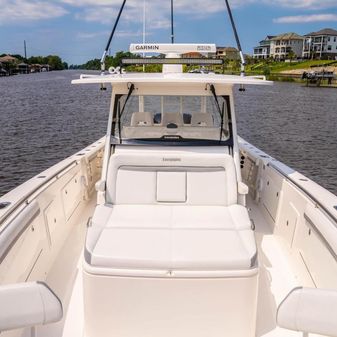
(144, 29)
(110, 38)
(172, 23)
(243, 62)
(144, 21)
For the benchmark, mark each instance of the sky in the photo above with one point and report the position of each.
(77, 30)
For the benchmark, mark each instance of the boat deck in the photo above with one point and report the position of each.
(277, 277)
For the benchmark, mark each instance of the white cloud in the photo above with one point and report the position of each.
(106, 33)
(158, 11)
(204, 6)
(14, 11)
(304, 4)
(85, 36)
(81, 3)
(157, 16)
(306, 18)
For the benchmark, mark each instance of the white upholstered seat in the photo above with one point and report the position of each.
(170, 248)
(171, 238)
(142, 118)
(172, 118)
(201, 119)
(179, 214)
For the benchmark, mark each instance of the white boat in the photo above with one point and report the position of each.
(170, 225)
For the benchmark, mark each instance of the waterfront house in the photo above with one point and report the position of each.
(192, 55)
(263, 50)
(321, 44)
(23, 68)
(45, 67)
(9, 64)
(286, 45)
(8, 59)
(229, 53)
(3, 72)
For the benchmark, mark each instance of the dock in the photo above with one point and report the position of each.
(320, 78)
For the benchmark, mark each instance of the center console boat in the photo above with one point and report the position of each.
(170, 250)
(171, 225)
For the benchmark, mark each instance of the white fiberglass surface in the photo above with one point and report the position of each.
(174, 117)
(277, 278)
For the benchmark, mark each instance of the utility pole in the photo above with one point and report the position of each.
(25, 48)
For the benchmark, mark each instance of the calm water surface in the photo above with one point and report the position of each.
(45, 119)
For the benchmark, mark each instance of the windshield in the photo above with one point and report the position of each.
(171, 118)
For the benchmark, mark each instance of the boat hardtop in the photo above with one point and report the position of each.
(172, 78)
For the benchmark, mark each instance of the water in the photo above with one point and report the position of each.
(45, 119)
(296, 125)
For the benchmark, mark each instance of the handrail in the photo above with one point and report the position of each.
(308, 194)
(24, 198)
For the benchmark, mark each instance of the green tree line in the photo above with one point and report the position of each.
(54, 61)
(111, 61)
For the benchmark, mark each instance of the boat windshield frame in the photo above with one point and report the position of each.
(172, 140)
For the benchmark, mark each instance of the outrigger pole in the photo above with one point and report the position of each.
(172, 23)
(110, 38)
(243, 62)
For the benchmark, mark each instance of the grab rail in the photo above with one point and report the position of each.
(25, 197)
(307, 193)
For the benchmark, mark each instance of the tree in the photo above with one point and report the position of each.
(291, 55)
(37, 60)
(116, 61)
(266, 70)
(55, 62)
(92, 65)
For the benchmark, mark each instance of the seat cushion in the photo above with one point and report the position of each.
(175, 249)
(171, 238)
(195, 179)
(166, 216)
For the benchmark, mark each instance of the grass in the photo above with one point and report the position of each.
(278, 67)
(271, 69)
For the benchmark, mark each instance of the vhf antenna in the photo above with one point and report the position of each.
(243, 62)
(110, 38)
(172, 23)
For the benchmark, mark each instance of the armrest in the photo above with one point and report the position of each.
(310, 311)
(100, 186)
(243, 188)
(27, 305)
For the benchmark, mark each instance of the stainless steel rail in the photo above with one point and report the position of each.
(308, 194)
(25, 197)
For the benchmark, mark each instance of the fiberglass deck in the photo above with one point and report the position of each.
(276, 278)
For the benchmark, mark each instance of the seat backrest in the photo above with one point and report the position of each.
(172, 118)
(142, 118)
(202, 119)
(154, 178)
